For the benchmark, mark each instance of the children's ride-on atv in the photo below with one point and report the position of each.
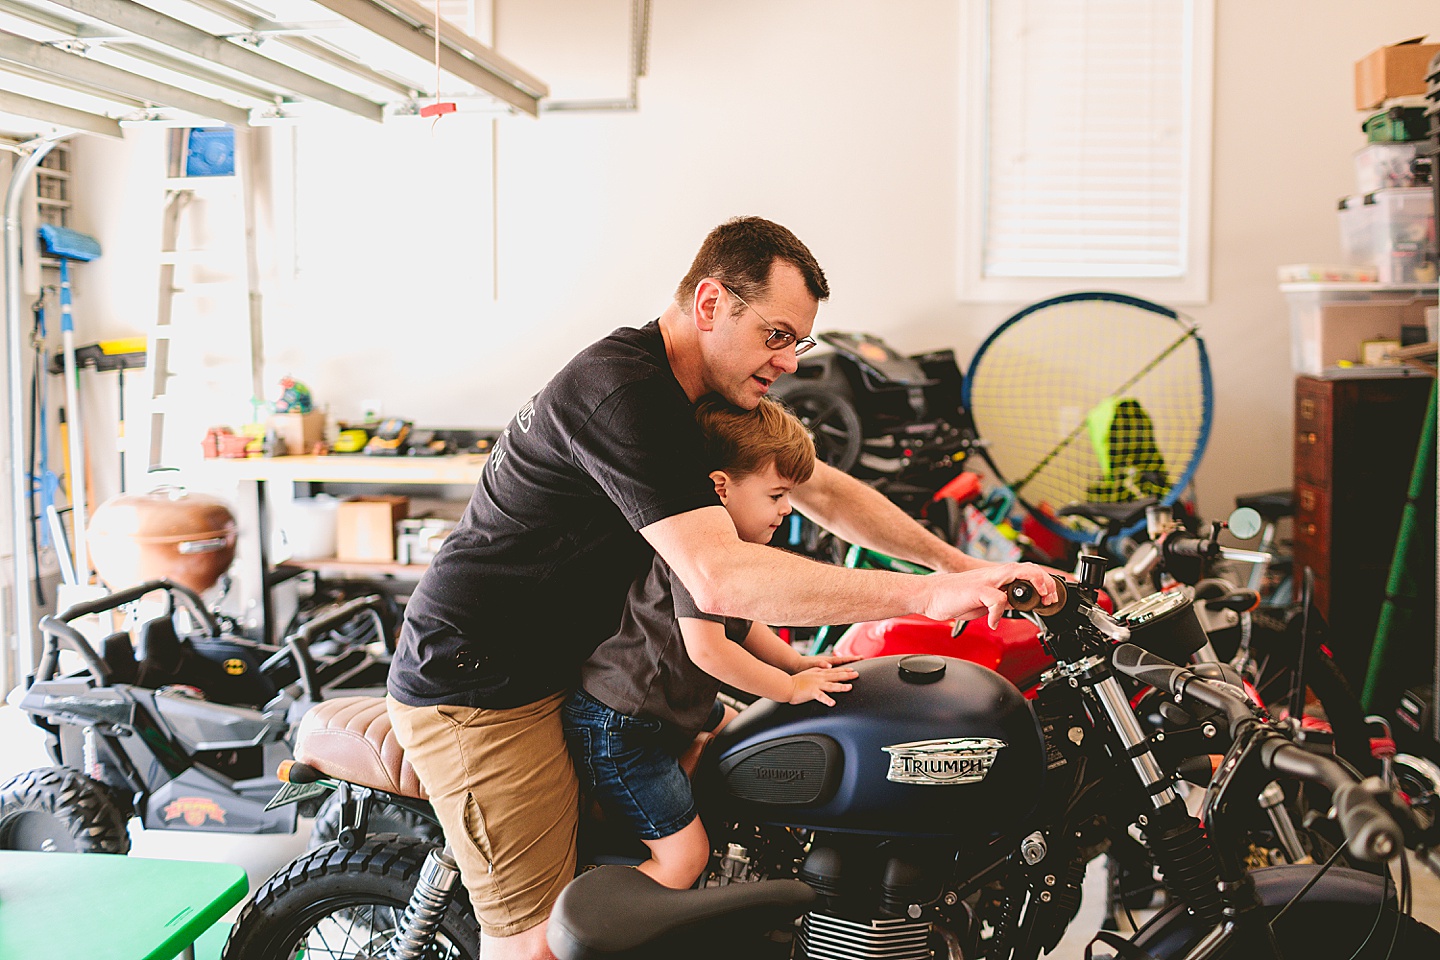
(185, 736)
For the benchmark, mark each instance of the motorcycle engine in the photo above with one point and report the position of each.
(875, 897)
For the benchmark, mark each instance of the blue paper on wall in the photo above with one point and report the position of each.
(210, 152)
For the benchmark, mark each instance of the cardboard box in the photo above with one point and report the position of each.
(1394, 71)
(365, 527)
(300, 431)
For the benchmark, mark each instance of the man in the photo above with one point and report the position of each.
(600, 468)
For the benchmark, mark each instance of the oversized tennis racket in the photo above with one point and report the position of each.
(1091, 398)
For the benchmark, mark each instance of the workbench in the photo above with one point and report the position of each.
(104, 906)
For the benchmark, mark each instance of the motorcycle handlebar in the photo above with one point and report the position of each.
(1176, 545)
(1160, 673)
(1371, 833)
(1021, 596)
(297, 645)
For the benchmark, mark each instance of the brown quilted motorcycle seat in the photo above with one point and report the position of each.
(349, 738)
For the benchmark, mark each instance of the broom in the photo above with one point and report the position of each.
(70, 245)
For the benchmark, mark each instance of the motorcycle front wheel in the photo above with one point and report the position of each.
(338, 904)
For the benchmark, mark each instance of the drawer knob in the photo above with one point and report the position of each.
(1310, 529)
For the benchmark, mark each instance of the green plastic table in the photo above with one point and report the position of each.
(106, 907)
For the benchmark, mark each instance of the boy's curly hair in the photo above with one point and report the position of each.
(742, 442)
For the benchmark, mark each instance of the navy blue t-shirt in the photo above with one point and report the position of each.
(535, 575)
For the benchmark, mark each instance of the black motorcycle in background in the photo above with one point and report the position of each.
(935, 812)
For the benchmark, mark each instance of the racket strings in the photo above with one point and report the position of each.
(1091, 401)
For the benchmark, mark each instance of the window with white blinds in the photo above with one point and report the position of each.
(1093, 125)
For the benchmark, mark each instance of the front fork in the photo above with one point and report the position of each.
(439, 876)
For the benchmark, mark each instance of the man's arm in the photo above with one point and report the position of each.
(730, 577)
(858, 513)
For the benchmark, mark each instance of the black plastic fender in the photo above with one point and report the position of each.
(1334, 919)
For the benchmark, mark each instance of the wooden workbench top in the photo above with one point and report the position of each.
(462, 468)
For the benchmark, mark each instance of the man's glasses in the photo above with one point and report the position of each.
(778, 339)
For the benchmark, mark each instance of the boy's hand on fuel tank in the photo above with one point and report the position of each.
(824, 660)
(965, 596)
(817, 683)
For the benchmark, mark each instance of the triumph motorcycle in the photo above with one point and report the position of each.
(935, 812)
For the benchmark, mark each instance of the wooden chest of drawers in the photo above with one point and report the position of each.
(1355, 444)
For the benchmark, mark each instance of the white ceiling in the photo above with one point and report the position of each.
(93, 64)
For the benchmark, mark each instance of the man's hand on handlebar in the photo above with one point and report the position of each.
(965, 596)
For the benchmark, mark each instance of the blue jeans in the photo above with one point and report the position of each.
(624, 763)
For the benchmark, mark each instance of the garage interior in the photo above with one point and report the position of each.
(285, 272)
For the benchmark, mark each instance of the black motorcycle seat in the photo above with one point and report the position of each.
(1271, 506)
(1111, 514)
(613, 910)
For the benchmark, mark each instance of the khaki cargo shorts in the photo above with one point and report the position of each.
(502, 784)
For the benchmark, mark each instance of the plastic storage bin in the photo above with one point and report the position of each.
(1357, 231)
(1328, 321)
(1403, 235)
(1383, 166)
(308, 528)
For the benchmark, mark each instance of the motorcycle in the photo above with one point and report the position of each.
(934, 812)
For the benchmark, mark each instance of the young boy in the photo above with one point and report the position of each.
(649, 689)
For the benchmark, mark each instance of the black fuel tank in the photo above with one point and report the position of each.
(921, 746)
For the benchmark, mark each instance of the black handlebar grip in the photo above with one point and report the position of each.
(1022, 596)
(1176, 546)
(1371, 833)
(1144, 666)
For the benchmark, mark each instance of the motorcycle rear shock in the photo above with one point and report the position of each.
(426, 909)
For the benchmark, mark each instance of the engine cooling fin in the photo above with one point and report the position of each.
(824, 937)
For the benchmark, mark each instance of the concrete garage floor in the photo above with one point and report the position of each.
(22, 748)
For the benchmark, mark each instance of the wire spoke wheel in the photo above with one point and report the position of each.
(338, 904)
(1091, 398)
(361, 932)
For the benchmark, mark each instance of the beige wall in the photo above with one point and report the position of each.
(838, 119)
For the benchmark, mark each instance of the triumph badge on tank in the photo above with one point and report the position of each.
(942, 762)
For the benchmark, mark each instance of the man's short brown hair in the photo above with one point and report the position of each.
(742, 442)
(740, 254)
